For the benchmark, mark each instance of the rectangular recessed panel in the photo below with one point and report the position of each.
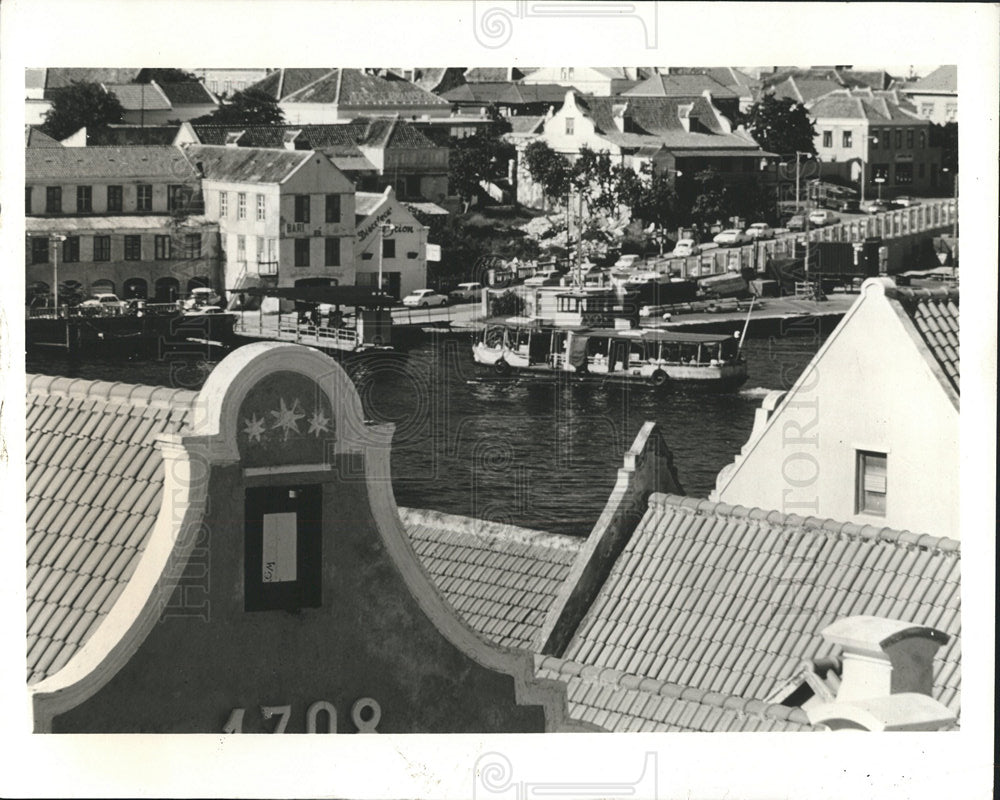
(278, 564)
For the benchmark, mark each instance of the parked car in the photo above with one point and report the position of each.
(906, 201)
(423, 298)
(731, 237)
(686, 247)
(760, 230)
(104, 300)
(821, 217)
(549, 277)
(201, 296)
(796, 223)
(629, 260)
(465, 292)
(878, 206)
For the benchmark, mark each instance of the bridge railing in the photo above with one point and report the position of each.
(929, 215)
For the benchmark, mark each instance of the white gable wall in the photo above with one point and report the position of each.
(583, 135)
(870, 388)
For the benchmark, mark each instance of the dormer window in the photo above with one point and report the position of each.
(283, 548)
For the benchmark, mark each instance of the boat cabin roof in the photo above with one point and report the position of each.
(644, 334)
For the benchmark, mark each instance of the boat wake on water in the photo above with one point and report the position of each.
(755, 391)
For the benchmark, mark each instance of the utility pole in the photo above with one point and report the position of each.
(579, 239)
(55, 239)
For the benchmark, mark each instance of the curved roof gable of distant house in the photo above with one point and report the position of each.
(154, 161)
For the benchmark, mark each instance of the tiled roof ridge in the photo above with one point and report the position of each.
(487, 529)
(133, 394)
(915, 294)
(743, 706)
(828, 526)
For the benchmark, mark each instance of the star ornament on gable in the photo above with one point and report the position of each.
(318, 423)
(287, 418)
(254, 428)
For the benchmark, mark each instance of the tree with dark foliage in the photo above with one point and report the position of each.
(81, 105)
(548, 169)
(249, 107)
(781, 125)
(473, 159)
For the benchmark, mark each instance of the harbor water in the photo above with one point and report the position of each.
(539, 453)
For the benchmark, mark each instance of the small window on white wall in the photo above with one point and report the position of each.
(569, 126)
(872, 483)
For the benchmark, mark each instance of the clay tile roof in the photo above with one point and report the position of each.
(246, 164)
(722, 573)
(187, 93)
(682, 85)
(494, 74)
(61, 77)
(33, 137)
(354, 87)
(87, 519)
(114, 135)
(622, 702)
(943, 80)
(154, 161)
(283, 82)
(500, 578)
(136, 96)
(934, 313)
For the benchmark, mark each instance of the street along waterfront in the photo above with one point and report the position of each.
(540, 454)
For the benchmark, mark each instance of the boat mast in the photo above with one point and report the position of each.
(746, 325)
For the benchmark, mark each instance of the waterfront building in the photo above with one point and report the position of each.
(286, 216)
(879, 133)
(671, 614)
(126, 220)
(390, 240)
(935, 96)
(842, 442)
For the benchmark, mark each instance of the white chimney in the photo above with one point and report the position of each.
(884, 656)
(886, 679)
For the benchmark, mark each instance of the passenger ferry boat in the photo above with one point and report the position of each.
(652, 356)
